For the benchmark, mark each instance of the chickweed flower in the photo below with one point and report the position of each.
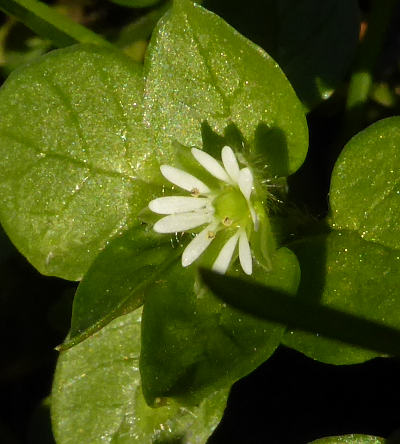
(225, 207)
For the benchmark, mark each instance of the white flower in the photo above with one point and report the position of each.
(228, 207)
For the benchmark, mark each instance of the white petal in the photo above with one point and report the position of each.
(224, 258)
(230, 163)
(254, 217)
(177, 204)
(245, 182)
(245, 253)
(182, 221)
(183, 179)
(210, 164)
(198, 245)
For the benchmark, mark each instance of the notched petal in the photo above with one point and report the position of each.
(198, 245)
(224, 258)
(183, 180)
(175, 223)
(245, 253)
(211, 165)
(230, 163)
(177, 204)
(245, 182)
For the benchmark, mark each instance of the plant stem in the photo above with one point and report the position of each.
(4, 30)
(50, 24)
(368, 52)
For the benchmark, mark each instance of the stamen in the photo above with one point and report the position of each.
(184, 213)
(227, 221)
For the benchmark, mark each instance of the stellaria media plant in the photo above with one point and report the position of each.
(136, 179)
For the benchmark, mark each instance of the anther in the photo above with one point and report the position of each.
(195, 192)
(227, 221)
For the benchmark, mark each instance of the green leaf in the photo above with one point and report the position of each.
(313, 41)
(365, 187)
(97, 396)
(350, 439)
(192, 344)
(199, 69)
(116, 281)
(75, 168)
(276, 306)
(50, 24)
(342, 271)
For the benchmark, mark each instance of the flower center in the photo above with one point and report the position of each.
(231, 207)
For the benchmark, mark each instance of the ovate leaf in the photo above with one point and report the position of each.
(97, 395)
(194, 344)
(273, 305)
(74, 158)
(365, 187)
(345, 272)
(199, 69)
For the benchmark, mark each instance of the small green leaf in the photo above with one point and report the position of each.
(350, 439)
(365, 187)
(342, 271)
(199, 69)
(74, 169)
(193, 344)
(97, 395)
(116, 281)
(313, 41)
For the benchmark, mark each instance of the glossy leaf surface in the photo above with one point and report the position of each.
(97, 384)
(273, 305)
(200, 343)
(357, 270)
(199, 69)
(117, 279)
(72, 167)
(345, 272)
(365, 187)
